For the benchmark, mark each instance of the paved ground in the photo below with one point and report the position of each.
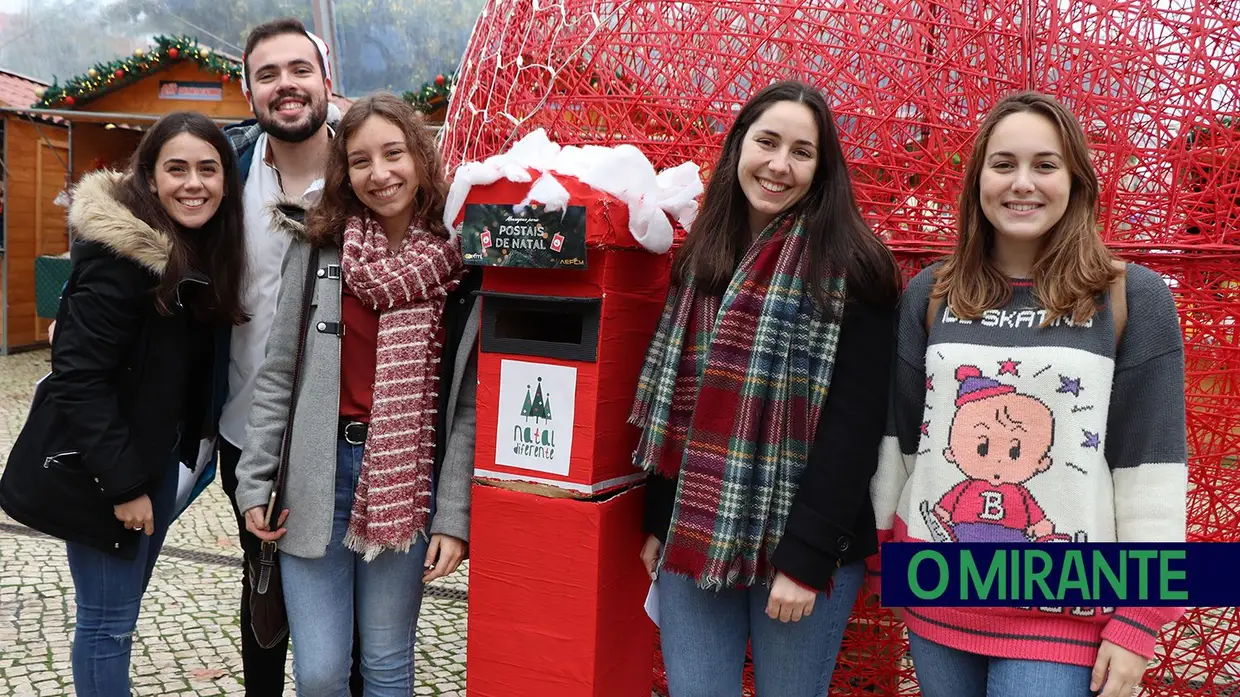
(187, 641)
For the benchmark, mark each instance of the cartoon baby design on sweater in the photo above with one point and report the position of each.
(999, 439)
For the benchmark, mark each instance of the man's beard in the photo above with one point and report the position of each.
(296, 133)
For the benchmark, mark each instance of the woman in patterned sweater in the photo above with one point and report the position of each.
(1038, 396)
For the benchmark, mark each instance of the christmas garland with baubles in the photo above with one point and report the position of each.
(433, 95)
(113, 74)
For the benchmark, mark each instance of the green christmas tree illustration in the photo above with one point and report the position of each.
(538, 410)
(547, 407)
(525, 408)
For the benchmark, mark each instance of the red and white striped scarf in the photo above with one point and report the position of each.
(392, 502)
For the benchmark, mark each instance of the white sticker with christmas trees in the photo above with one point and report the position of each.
(536, 403)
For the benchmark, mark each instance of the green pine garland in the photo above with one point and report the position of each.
(118, 73)
(432, 95)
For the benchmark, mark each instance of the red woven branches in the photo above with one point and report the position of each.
(1154, 83)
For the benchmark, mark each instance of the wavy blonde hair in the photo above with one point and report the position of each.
(1074, 266)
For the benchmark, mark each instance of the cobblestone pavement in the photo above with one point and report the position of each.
(188, 640)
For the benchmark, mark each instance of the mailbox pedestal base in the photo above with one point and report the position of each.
(556, 592)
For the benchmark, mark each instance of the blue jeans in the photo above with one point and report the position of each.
(109, 597)
(322, 596)
(704, 635)
(948, 672)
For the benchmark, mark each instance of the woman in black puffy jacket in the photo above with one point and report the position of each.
(157, 260)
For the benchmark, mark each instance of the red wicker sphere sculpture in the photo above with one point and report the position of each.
(1156, 83)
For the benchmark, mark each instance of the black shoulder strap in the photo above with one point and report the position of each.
(312, 266)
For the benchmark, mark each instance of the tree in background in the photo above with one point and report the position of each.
(60, 38)
(392, 45)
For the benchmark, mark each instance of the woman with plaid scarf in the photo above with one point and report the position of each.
(762, 405)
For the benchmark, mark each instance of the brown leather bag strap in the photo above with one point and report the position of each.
(932, 309)
(1119, 301)
(312, 266)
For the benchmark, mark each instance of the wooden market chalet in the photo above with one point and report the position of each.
(51, 135)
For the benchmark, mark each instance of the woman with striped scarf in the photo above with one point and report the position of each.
(762, 404)
(376, 498)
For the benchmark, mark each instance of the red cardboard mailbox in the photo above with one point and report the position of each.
(562, 348)
(569, 304)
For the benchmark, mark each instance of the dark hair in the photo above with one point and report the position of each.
(274, 28)
(326, 220)
(218, 249)
(839, 239)
(1074, 266)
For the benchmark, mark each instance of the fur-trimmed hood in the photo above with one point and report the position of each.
(97, 216)
(288, 216)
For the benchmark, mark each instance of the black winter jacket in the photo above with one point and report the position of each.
(125, 380)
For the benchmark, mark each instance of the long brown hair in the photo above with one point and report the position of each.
(218, 248)
(326, 220)
(1074, 266)
(839, 239)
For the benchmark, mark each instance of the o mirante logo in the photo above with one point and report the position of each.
(1103, 575)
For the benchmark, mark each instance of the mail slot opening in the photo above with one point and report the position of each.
(530, 324)
(537, 325)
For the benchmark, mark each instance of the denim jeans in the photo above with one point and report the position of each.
(704, 635)
(948, 672)
(322, 596)
(109, 597)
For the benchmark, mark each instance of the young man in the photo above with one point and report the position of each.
(281, 155)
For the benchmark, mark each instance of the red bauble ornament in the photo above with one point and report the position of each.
(225, 77)
(70, 101)
(439, 80)
(173, 53)
(120, 73)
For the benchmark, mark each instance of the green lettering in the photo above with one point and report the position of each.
(1038, 576)
(1073, 576)
(1144, 556)
(1014, 582)
(1119, 585)
(944, 577)
(1165, 575)
(971, 578)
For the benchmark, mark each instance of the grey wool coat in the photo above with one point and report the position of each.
(310, 485)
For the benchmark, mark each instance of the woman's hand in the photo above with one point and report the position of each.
(255, 523)
(650, 554)
(136, 514)
(789, 601)
(1120, 668)
(443, 556)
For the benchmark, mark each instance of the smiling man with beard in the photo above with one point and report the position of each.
(281, 156)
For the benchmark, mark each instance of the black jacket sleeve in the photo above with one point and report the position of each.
(105, 310)
(834, 489)
(660, 499)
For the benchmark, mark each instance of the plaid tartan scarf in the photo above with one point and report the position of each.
(728, 403)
